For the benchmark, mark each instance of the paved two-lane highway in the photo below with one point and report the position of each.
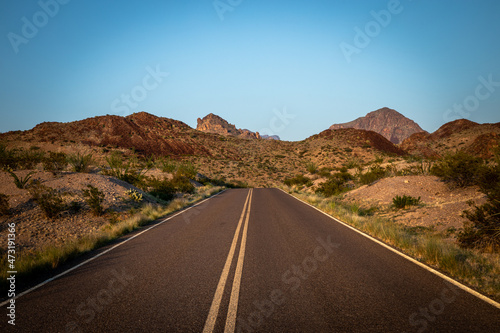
(251, 261)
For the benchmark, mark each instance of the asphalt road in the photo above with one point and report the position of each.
(250, 261)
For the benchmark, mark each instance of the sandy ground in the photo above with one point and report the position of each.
(34, 230)
(441, 205)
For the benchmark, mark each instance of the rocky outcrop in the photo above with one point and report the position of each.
(215, 124)
(387, 122)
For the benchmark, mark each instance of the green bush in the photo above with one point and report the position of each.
(131, 171)
(331, 187)
(376, 172)
(162, 189)
(352, 163)
(80, 162)
(22, 182)
(182, 184)
(94, 198)
(55, 162)
(311, 167)
(459, 169)
(405, 201)
(187, 170)
(4, 204)
(75, 207)
(298, 180)
(28, 159)
(482, 230)
(48, 199)
(324, 172)
(7, 158)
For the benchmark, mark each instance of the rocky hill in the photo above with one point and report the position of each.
(215, 124)
(462, 134)
(143, 132)
(357, 138)
(389, 123)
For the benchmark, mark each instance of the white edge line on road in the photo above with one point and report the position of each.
(219, 292)
(443, 276)
(104, 252)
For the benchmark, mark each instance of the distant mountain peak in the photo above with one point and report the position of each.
(213, 123)
(388, 122)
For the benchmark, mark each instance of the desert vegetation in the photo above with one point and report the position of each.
(118, 175)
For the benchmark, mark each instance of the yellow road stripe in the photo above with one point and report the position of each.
(235, 293)
(214, 308)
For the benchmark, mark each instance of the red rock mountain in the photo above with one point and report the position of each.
(215, 124)
(462, 134)
(141, 131)
(389, 123)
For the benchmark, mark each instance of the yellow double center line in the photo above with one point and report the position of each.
(235, 292)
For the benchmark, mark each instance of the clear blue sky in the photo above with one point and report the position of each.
(292, 67)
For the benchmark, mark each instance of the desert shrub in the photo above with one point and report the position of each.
(94, 198)
(182, 184)
(378, 159)
(331, 187)
(166, 164)
(114, 217)
(404, 201)
(482, 230)
(48, 199)
(21, 182)
(7, 158)
(4, 204)
(131, 171)
(376, 172)
(352, 163)
(55, 162)
(298, 180)
(28, 159)
(343, 175)
(424, 167)
(75, 207)
(311, 167)
(324, 172)
(161, 189)
(459, 169)
(187, 170)
(80, 162)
